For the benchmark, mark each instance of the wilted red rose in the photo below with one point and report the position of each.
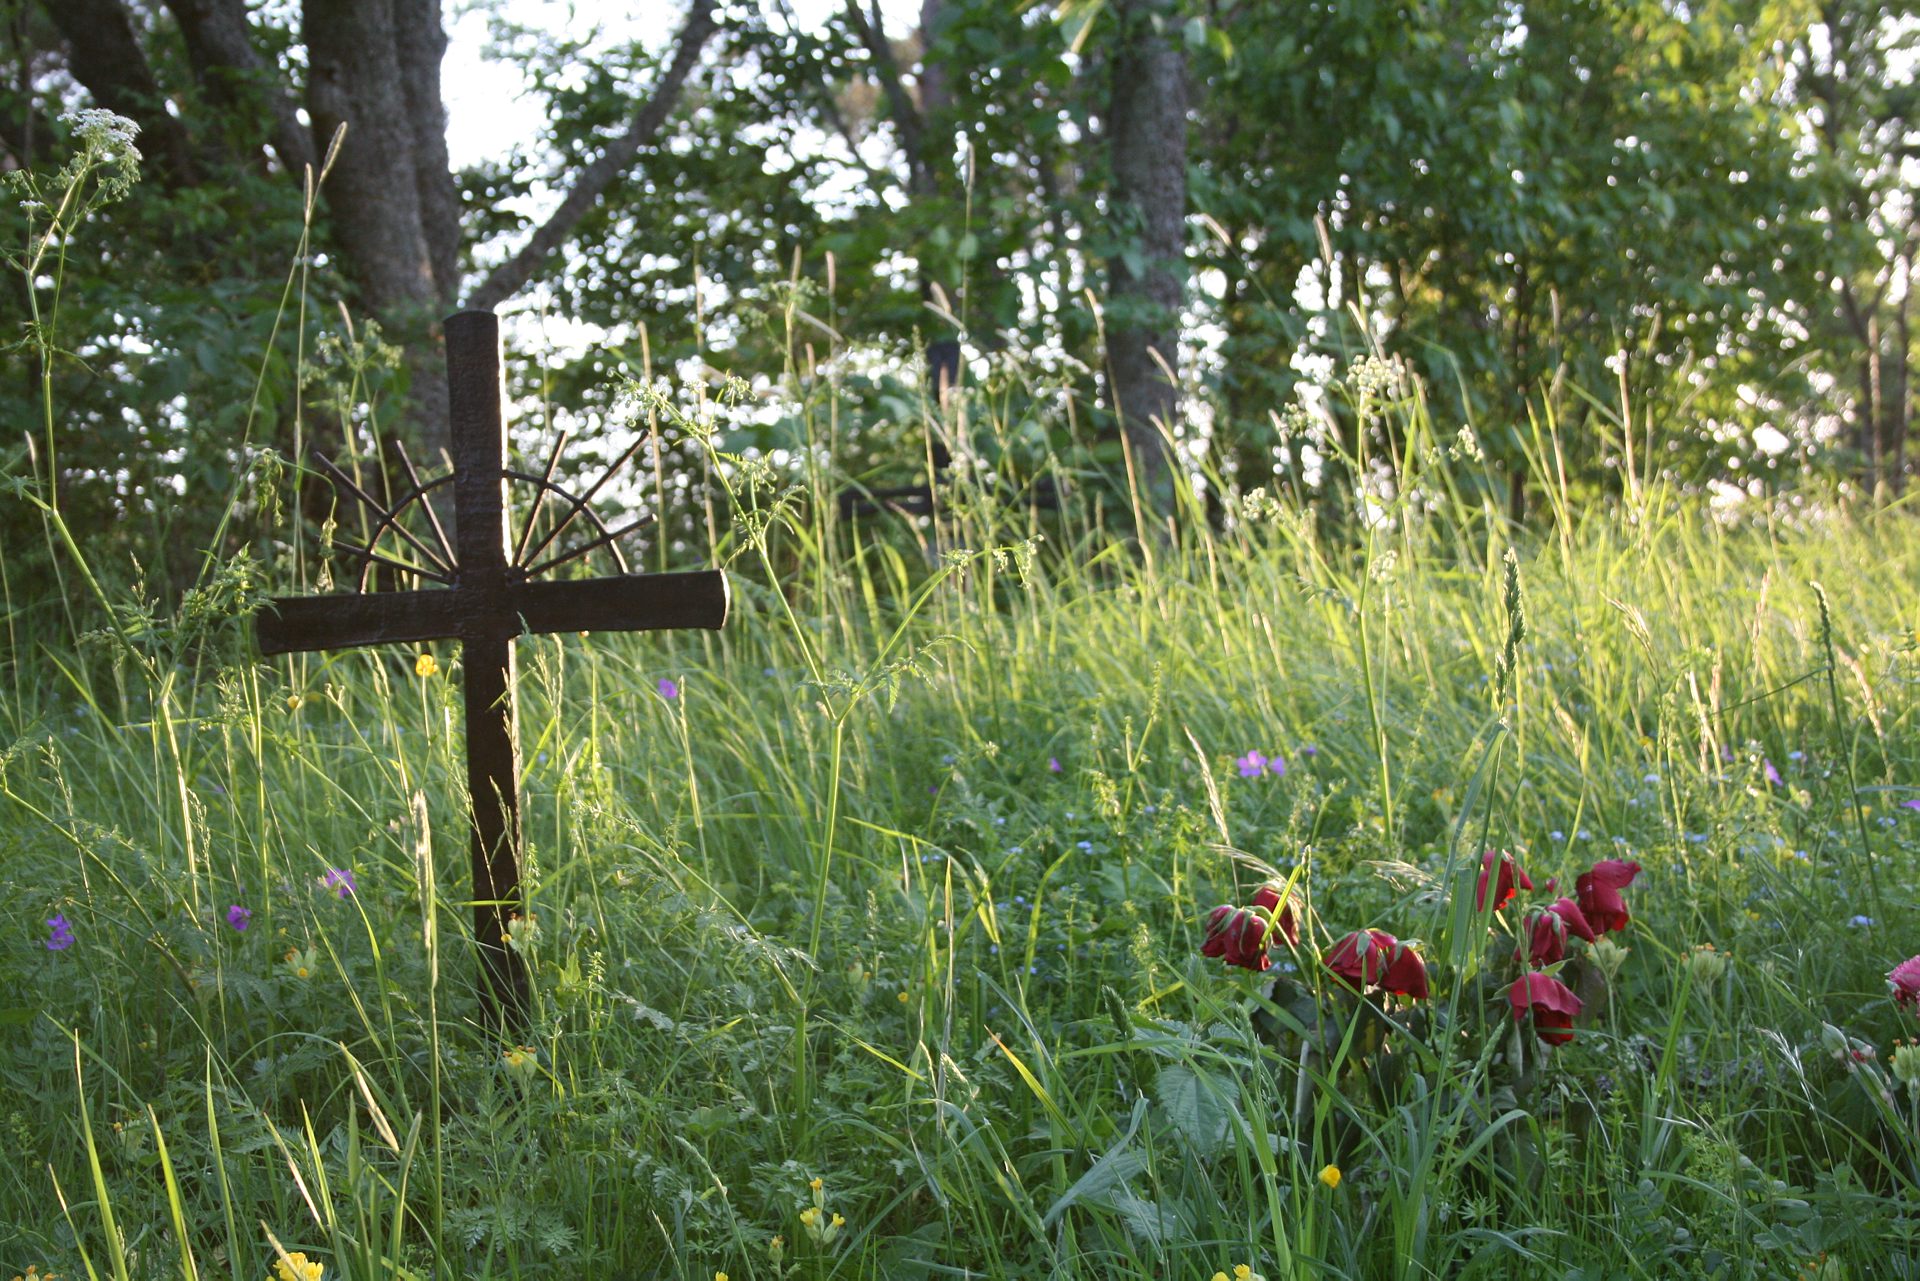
(1905, 982)
(1545, 932)
(1216, 943)
(1511, 874)
(1406, 974)
(1359, 959)
(1599, 891)
(1577, 924)
(1370, 958)
(1551, 1002)
(1267, 899)
(1239, 935)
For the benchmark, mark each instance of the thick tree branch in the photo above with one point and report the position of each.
(104, 54)
(231, 72)
(906, 116)
(421, 43)
(596, 178)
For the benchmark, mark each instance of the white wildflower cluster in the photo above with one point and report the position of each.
(102, 130)
(1371, 379)
(1259, 505)
(1295, 423)
(1466, 446)
(1384, 565)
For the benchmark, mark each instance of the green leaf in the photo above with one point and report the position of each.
(1198, 1103)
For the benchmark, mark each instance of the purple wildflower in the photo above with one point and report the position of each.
(340, 881)
(239, 918)
(1252, 765)
(1912, 805)
(668, 687)
(1053, 764)
(1309, 750)
(59, 933)
(1278, 766)
(1772, 774)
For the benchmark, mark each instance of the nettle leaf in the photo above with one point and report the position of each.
(1198, 1102)
(1157, 1223)
(1118, 1164)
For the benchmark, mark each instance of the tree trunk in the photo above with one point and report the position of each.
(233, 75)
(104, 54)
(1903, 379)
(421, 47)
(356, 78)
(1876, 411)
(1147, 123)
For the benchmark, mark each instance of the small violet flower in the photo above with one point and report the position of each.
(1053, 764)
(239, 918)
(340, 881)
(59, 934)
(1772, 774)
(668, 687)
(1252, 765)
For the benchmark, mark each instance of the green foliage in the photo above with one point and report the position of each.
(831, 914)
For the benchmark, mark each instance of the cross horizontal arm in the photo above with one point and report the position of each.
(632, 603)
(301, 624)
(628, 603)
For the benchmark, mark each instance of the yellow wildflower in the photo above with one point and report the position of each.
(293, 705)
(523, 1061)
(1331, 1176)
(425, 665)
(296, 1267)
(816, 1184)
(719, 1276)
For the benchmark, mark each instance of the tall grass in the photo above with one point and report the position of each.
(831, 913)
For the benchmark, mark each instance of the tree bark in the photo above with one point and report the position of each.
(1147, 114)
(507, 279)
(104, 54)
(233, 75)
(355, 78)
(422, 46)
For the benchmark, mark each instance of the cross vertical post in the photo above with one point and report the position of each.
(491, 594)
(477, 403)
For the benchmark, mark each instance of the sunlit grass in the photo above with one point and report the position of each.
(901, 890)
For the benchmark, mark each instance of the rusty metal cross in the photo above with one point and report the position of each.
(487, 599)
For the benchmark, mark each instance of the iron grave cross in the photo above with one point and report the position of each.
(487, 599)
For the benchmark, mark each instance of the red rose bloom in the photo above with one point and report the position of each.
(1359, 959)
(1239, 936)
(1546, 938)
(1552, 1003)
(1406, 974)
(1511, 874)
(1267, 899)
(1576, 920)
(1599, 891)
(1369, 958)
(1905, 982)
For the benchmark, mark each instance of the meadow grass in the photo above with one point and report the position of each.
(874, 949)
(830, 913)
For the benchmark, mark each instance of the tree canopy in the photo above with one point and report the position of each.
(1589, 223)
